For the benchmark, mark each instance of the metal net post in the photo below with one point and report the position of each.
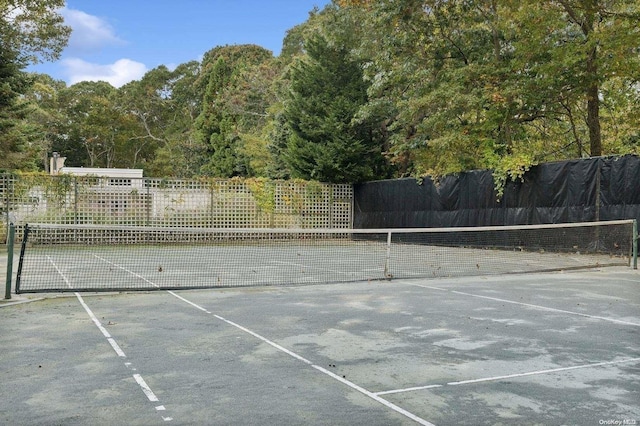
(634, 245)
(10, 239)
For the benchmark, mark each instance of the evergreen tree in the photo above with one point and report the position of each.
(13, 82)
(278, 136)
(325, 143)
(216, 128)
(225, 109)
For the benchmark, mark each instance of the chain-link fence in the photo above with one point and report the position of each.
(214, 203)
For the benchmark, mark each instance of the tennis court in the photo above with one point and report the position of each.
(544, 348)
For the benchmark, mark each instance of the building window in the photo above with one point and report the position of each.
(119, 182)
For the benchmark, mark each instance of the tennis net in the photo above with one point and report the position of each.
(58, 258)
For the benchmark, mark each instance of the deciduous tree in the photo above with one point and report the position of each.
(500, 84)
(33, 29)
(30, 31)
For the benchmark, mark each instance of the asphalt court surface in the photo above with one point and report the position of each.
(553, 348)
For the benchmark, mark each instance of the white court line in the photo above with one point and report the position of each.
(509, 376)
(288, 352)
(95, 320)
(529, 305)
(533, 373)
(414, 388)
(374, 396)
(256, 335)
(104, 331)
(145, 388)
(137, 377)
(349, 383)
(128, 271)
(311, 267)
(188, 301)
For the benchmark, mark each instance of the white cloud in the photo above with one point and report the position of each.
(117, 74)
(88, 32)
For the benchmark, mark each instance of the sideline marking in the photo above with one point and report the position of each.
(95, 319)
(509, 376)
(137, 377)
(529, 305)
(145, 388)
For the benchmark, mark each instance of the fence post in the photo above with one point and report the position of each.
(7, 185)
(598, 178)
(352, 207)
(332, 202)
(147, 201)
(76, 219)
(10, 240)
(387, 260)
(635, 244)
(5, 192)
(211, 192)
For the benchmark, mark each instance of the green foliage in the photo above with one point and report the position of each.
(29, 32)
(168, 121)
(234, 103)
(164, 105)
(509, 168)
(33, 29)
(432, 86)
(14, 137)
(264, 193)
(471, 84)
(569, 49)
(295, 38)
(278, 135)
(325, 144)
(56, 189)
(98, 127)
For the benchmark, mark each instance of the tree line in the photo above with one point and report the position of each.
(362, 90)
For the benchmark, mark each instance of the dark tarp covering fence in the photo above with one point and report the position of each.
(603, 188)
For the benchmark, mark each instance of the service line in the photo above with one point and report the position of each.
(528, 305)
(301, 265)
(509, 376)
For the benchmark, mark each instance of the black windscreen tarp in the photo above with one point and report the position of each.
(603, 188)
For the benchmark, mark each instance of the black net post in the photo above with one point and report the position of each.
(21, 261)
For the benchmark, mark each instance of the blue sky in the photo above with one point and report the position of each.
(119, 40)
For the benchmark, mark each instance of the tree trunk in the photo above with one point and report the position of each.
(593, 106)
(586, 23)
